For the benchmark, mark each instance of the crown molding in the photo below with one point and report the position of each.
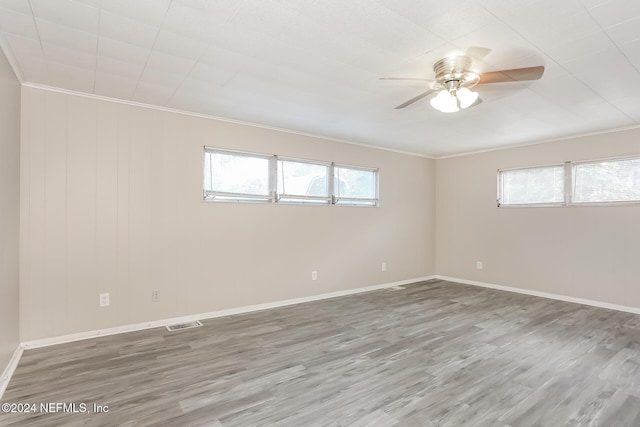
(291, 131)
(217, 118)
(545, 141)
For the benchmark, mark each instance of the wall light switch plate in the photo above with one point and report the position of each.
(314, 275)
(479, 265)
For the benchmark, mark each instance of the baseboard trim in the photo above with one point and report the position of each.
(45, 342)
(600, 304)
(9, 370)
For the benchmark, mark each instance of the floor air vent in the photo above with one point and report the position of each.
(182, 326)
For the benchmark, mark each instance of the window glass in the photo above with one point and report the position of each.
(607, 181)
(542, 185)
(236, 175)
(302, 181)
(354, 185)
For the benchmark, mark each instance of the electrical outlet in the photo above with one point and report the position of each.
(479, 265)
(104, 300)
(314, 275)
(155, 296)
(384, 266)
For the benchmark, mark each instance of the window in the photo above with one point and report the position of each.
(303, 182)
(608, 181)
(531, 186)
(236, 176)
(356, 186)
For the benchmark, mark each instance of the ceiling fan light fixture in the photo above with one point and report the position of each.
(445, 102)
(466, 97)
(454, 78)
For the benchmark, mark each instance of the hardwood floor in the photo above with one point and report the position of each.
(434, 354)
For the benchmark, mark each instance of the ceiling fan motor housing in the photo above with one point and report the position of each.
(454, 72)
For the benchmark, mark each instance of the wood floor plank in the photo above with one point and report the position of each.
(434, 354)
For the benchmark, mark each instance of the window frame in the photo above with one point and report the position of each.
(352, 201)
(274, 197)
(572, 202)
(569, 170)
(300, 199)
(532, 205)
(210, 195)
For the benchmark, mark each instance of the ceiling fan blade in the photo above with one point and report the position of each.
(478, 52)
(514, 75)
(404, 78)
(415, 99)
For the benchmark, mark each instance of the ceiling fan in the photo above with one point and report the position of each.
(454, 80)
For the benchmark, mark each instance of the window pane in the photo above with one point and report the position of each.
(354, 183)
(234, 173)
(302, 179)
(607, 181)
(237, 176)
(532, 186)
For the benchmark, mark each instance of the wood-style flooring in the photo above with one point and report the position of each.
(434, 354)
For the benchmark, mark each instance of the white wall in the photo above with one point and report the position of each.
(9, 209)
(112, 203)
(585, 252)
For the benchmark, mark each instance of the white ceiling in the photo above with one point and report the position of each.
(313, 65)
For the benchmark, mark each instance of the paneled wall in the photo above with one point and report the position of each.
(112, 203)
(9, 209)
(588, 252)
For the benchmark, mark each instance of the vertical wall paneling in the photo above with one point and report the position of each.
(115, 206)
(164, 192)
(83, 283)
(36, 288)
(10, 227)
(123, 306)
(26, 284)
(55, 206)
(107, 211)
(141, 252)
(190, 210)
